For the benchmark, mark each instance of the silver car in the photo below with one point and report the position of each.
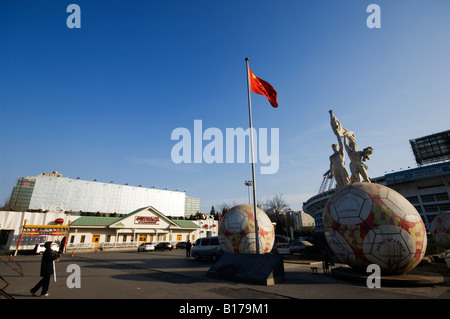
(299, 246)
(281, 245)
(146, 247)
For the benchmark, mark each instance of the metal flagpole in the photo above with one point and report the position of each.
(253, 162)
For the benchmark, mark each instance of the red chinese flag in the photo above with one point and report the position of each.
(259, 86)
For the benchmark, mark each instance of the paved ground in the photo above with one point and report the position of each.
(170, 275)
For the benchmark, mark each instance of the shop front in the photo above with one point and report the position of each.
(40, 233)
(143, 225)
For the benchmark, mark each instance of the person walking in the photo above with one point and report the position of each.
(188, 248)
(46, 270)
(327, 260)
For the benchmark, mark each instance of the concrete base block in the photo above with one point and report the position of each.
(265, 269)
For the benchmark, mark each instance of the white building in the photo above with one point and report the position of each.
(301, 219)
(55, 193)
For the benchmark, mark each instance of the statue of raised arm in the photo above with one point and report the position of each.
(338, 129)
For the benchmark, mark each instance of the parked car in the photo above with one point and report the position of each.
(146, 247)
(163, 246)
(281, 245)
(180, 244)
(299, 246)
(40, 248)
(207, 248)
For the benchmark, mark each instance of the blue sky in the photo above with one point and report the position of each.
(101, 102)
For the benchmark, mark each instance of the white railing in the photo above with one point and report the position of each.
(133, 244)
(101, 245)
(78, 246)
(118, 245)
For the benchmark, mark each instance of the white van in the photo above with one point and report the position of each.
(207, 248)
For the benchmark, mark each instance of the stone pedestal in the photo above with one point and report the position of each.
(264, 269)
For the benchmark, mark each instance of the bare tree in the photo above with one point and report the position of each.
(6, 205)
(277, 203)
(224, 207)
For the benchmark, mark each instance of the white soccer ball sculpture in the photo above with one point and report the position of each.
(237, 231)
(368, 223)
(440, 229)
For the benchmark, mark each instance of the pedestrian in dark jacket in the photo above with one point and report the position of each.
(46, 270)
(188, 248)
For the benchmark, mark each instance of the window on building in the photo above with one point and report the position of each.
(434, 197)
(427, 198)
(83, 238)
(431, 208)
(442, 196)
(179, 237)
(413, 199)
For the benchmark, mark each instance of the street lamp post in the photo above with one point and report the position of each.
(249, 184)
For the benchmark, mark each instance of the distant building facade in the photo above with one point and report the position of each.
(301, 219)
(191, 206)
(55, 193)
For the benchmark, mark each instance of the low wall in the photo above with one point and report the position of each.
(93, 250)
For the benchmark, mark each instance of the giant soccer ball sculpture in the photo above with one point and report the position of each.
(237, 231)
(367, 223)
(440, 229)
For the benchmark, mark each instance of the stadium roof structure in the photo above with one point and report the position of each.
(432, 148)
